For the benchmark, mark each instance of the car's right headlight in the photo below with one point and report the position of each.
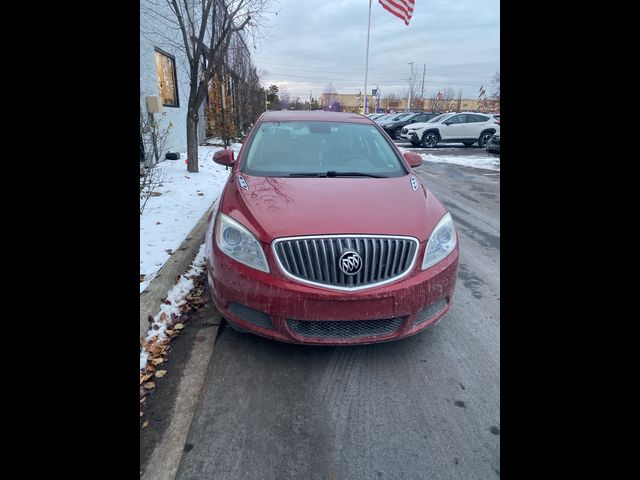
(441, 242)
(239, 243)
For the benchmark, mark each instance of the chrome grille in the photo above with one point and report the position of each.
(345, 329)
(314, 260)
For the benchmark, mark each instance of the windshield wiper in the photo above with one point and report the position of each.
(333, 173)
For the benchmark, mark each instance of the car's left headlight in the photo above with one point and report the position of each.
(237, 242)
(441, 242)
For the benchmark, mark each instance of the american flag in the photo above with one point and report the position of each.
(403, 9)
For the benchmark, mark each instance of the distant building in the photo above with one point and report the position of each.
(352, 102)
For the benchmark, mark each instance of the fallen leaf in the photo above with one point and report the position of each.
(161, 373)
(143, 399)
(169, 251)
(201, 194)
(166, 302)
(157, 361)
(144, 378)
(178, 277)
(163, 317)
(144, 425)
(149, 385)
(142, 278)
(178, 326)
(141, 413)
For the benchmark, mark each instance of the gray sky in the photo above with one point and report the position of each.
(313, 43)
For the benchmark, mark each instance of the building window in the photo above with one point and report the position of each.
(167, 82)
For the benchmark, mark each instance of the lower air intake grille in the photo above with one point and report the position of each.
(345, 329)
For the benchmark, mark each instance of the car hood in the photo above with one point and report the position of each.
(274, 207)
(420, 125)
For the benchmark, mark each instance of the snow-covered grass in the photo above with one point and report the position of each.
(184, 197)
(176, 298)
(485, 161)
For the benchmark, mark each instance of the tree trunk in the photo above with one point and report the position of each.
(192, 140)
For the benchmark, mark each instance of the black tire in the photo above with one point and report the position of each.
(396, 133)
(468, 144)
(415, 143)
(484, 138)
(430, 139)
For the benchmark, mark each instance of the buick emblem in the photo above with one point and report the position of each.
(350, 263)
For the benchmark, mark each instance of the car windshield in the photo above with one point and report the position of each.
(317, 148)
(440, 118)
(401, 116)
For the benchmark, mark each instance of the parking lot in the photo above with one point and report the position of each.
(424, 407)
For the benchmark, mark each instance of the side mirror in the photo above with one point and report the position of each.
(413, 159)
(413, 121)
(224, 157)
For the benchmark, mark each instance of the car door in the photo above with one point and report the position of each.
(477, 124)
(453, 127)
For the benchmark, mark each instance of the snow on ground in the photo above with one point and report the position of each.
(177, 298)
(486, 161)
(481, 160)
(167, 219)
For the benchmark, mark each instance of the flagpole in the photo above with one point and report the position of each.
(366, 65)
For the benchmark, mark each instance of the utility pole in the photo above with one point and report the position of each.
(410, 92)
(424, 70)
(366, 63)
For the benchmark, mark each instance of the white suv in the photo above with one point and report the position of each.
(463, 127)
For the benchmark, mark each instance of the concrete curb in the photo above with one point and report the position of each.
(165, 458)
(150, 299)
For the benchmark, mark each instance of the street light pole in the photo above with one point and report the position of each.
(409, 95)
(366, 63)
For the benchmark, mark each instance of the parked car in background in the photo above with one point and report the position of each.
(375, 116)
(463, 127)
(394, 127)
(493, 145)
(391, 118)
(304, 246)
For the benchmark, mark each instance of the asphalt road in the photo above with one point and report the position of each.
(427, 407)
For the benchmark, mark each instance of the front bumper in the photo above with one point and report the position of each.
(410, 135)
(273, 306)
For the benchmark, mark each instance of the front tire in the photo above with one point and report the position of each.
(430, 139)
(396, 133)
(484, 139)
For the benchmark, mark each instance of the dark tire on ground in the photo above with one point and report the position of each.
(396, 133)
(430, 139)
(468, 144)
(484, 138)
(415, 144)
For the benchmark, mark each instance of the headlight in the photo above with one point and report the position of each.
(441, 242)
(237, 242)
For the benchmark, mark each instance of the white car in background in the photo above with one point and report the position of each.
(463, 127)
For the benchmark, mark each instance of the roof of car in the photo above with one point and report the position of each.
(318, 115)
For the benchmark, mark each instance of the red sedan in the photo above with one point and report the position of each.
(324, 235)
